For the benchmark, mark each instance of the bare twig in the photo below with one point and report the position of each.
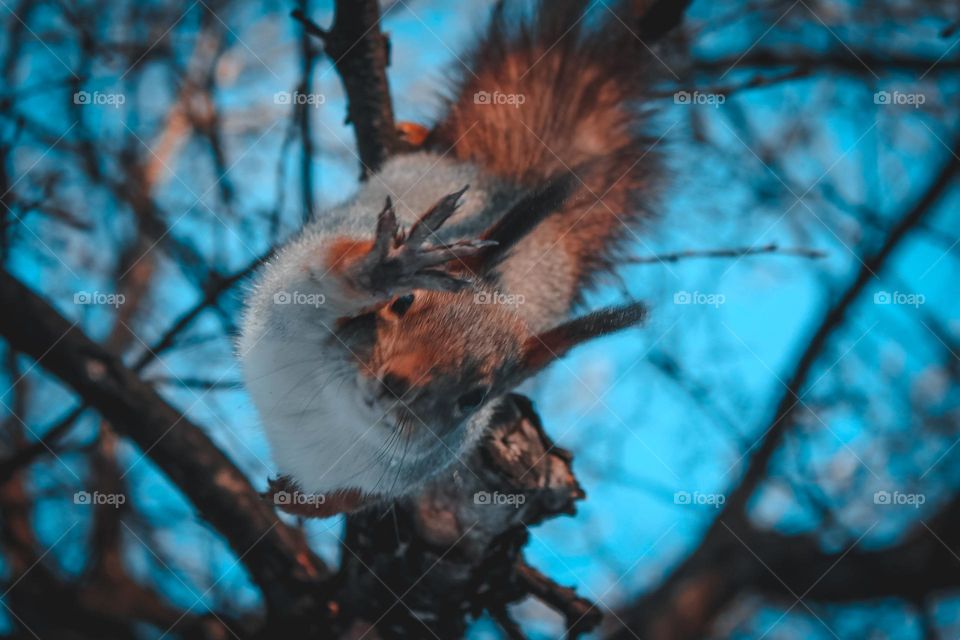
(302, 110)
(28, 454)
(739, 252)
(580, 615)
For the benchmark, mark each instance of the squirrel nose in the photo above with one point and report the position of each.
(394, 386)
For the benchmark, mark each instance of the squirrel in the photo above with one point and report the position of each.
(377, 343)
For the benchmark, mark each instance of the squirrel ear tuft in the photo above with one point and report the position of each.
(540, 350)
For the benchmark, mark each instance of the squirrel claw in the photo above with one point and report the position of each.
(448, 252)
(476, 244)
(397, 262)
(387, 231)
(433, 219)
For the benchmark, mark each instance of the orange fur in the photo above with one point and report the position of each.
(414, 366)
(412, 133)
(582, 81)
(344, 252)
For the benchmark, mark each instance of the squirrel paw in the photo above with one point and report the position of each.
(399, 262)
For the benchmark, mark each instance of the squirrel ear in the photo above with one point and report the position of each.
(540, 350)
(522, 218)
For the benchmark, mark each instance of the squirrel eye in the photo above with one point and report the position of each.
(471, 399)
(401, 304)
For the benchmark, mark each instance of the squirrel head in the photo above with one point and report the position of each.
(433, 358)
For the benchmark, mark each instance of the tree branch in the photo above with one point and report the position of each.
(739, 252)
(360, 53)
(466, 532)
(276, 555)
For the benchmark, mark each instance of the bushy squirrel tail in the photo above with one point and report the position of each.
(565, 87)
